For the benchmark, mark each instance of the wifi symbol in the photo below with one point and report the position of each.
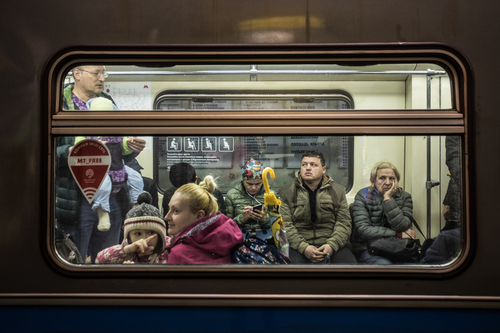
(89, 193)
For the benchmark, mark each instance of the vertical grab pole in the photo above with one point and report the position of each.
(429, 181)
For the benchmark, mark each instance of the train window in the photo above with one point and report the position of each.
(268, 87)
(389, 133)
(431, 197)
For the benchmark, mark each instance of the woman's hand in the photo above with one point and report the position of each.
(141, 247)
(391, 191)
(259, 215)
(247, 212)
(408, 234)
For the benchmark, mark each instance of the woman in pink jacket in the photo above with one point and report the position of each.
(199, 235)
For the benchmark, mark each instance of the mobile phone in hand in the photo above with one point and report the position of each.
(257, 208)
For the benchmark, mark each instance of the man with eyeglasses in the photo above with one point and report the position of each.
(73, 213)
(316, 215)
(89, 83)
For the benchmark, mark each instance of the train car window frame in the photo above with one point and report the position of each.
(455, 120)
(295, 96)
(340, 96)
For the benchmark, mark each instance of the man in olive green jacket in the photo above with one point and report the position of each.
(316, 215)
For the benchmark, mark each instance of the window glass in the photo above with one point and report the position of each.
(263, 86)
(429, 188)
(223, 156)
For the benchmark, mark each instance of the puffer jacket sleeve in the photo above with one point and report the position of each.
(113, 255)
(343, 225)
(67, 191)
(231, 208)
(362, 221)
(453, 161)
(397, 211)
(62, 151)
(297, 242)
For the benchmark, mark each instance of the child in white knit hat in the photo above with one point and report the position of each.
(145, 237)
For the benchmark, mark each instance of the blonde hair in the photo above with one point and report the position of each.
(383, 165)
(200, 196)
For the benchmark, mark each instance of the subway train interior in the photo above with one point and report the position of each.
(215, 84)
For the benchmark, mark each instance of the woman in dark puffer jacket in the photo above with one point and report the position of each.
(380, 210)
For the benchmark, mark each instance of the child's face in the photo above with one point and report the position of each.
(138, 234)
(180, 215)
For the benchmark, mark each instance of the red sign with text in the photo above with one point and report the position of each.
(89, 162)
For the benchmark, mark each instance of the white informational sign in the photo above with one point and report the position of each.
(200, 152)
(215, 105)
(130, 95)
(226, 144)
(209, 144)
(268, 150)
(316, 105)
(297, 145)
(191, 144)
(261, 105)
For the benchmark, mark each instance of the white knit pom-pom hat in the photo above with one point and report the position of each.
(145, 216)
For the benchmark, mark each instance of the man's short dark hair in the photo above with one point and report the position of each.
(314, 153)
(182, 173)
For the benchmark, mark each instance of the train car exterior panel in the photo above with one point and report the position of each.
(36, 33)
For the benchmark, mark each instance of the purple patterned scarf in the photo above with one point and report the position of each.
(117, 168)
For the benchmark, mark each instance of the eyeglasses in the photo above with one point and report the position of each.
(96, 74)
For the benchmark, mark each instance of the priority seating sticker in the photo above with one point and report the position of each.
(89, 162)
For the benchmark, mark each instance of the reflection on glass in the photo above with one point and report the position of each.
(222, 156)
(319, 192)
(261, 87)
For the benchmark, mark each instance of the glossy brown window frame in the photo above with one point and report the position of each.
(377, 122)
